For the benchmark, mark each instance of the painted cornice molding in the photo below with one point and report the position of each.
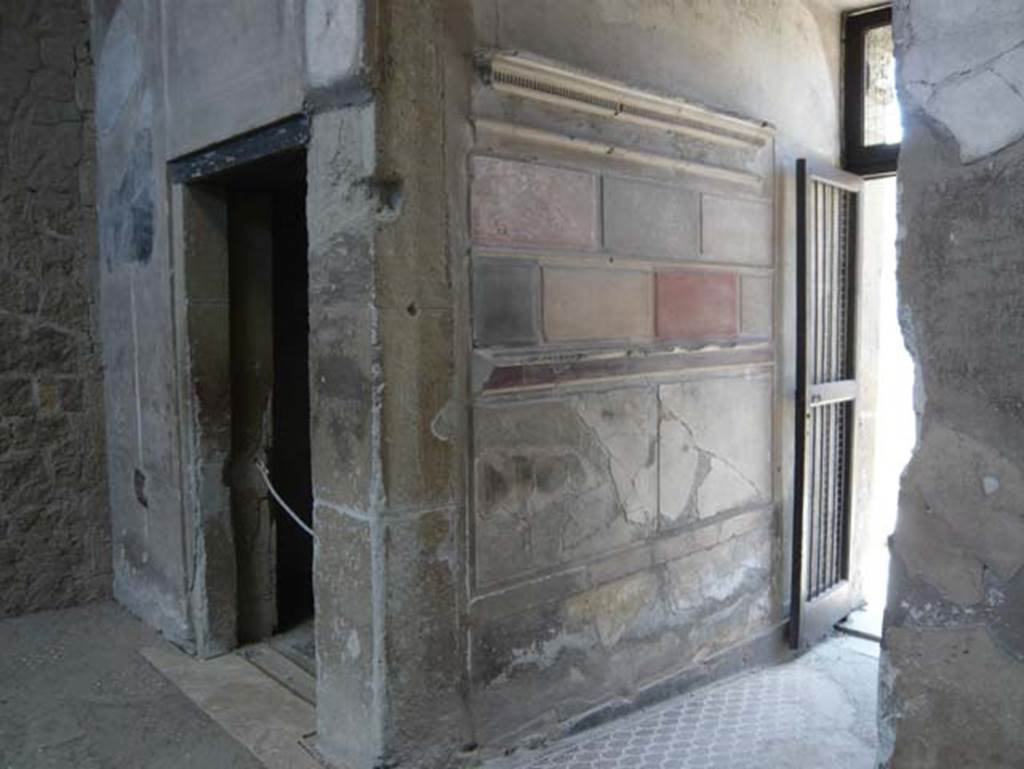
(530, 77)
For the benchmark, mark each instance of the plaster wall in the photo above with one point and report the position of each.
(173, 78)
(953, 648)
(629, 523)
(54, 522)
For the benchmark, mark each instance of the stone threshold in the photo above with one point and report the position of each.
(258, 696)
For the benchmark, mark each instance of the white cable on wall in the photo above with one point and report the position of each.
(264, 473)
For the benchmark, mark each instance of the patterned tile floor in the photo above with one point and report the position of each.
(814, 712)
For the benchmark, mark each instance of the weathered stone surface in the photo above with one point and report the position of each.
(539, 666)
(696, 305)
(341, 318)
(651, 220)
(715, 446)
(995, 119)
(506, 298)
(756, 303)
(345, 646)
(953, 673)
(925, 718)
(710, 585)
(944, 500)
(525, 204)
(54, 528)
(597, 304)
(343, 449)
(559, 480)
(965, 69)
(736, 230)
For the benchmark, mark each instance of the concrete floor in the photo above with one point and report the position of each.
(815, 712)
(75, 692)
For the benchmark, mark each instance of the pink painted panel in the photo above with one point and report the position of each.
(524, 204)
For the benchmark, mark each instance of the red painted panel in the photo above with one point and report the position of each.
(697, 305)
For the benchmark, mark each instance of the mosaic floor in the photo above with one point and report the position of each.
(817, 711)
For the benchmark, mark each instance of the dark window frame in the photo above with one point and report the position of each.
(876, 159)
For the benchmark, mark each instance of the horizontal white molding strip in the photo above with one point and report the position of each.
(531, 78)
(610, 151)
(617, 261)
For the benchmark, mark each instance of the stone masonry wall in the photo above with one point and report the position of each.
(54, 524)
(953, 647)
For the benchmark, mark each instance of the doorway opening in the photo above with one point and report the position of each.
(247, 321)
(894, 418)
(269, 333)
(856, 424)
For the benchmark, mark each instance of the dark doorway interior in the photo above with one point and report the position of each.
(269, 333)
(289, 457)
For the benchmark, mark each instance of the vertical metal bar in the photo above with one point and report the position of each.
(813, 351)
(798, 576)
(852, 241)
(820, 373)
(836, 287)
(840, 356)
(828, 277)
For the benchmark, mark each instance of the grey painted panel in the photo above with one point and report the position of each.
(651, 220)
(505, 298)
(736, 230)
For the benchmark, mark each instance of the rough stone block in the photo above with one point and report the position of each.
(756, 304)
(597, 304)
(522, 204)
(16, 397)
(696, 305)
(736, 230)
(345, 650)
(651, 220)
(505, 302)
(562, 479)
(715, 455)
(416, 366)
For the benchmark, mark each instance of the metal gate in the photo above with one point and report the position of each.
(827, 216)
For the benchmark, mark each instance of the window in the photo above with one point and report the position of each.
(872, 125)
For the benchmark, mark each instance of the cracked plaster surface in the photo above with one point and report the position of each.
(559, 480)
(714, 456)
(963, 64)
